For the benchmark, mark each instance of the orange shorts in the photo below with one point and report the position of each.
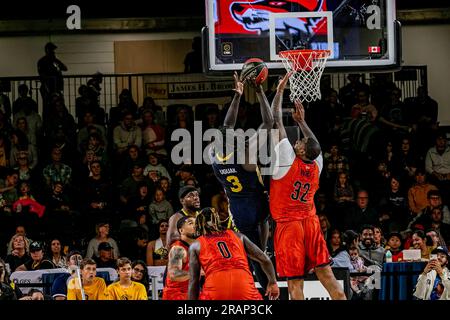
(236, 284)
(174, 294)
(299, 247)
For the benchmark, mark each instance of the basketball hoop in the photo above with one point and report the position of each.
(307, 67)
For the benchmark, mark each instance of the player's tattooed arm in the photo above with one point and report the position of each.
(172, 232)
(231, 116)
(177, 255)
(194, 271)
(299, 116)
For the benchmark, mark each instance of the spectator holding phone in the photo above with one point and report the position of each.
(434, 282)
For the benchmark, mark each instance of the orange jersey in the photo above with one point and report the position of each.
(292, 196)
(178, 290)
(227, 273)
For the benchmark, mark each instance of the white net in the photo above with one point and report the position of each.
(307, 67)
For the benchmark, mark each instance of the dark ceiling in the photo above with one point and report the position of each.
(46, 9)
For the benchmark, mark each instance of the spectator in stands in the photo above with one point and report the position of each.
(130, 185)
(37, 261)
(182, 121)
(138, 203)
(59, 285)
(363, 109)
(325, 226)
(437, 224)
(160, 208)
(378, 237)
(87, 127)
(60, 118)
(102, 231)
(372, 254)
(125, 106)
(125, 288)
(436, 238)
(56, 254)
(35, 294)
(193, 62)
(170, 195)
(395, 246)
(105, 258)
(417, 194)
(24, 101)
(153, 134)
(334, 243)
(20, 146)
(19, 254)
(343, 190)
(8, 190)
(348, 93)
(155, 165)
(94, 287)
(434, 201)
(20, 230)
(8, 290)
(394, 117)
(423, 243)
(50, 72)
(98, 196)
(5, 105)
(158, 114)
(434, 282)
(396, 201)
(88, 102)
(126, 134)
(56, 171)
(360, 214)
(185, 172)
(140, 274)
(437, 164)
(335, 162)
(22, 126)
(157, 249)
(33, 122)
(136, 246)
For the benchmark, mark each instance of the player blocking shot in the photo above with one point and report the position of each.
(248, 202)
(298, 240)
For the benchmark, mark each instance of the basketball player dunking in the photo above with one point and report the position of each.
(298, 240)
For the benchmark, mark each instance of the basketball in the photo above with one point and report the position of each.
(254, 68)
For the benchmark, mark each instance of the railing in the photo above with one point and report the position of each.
(408, 79)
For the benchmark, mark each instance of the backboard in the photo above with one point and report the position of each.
(362, 34)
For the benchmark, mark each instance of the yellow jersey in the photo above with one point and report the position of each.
(94, 291)
(134, 292)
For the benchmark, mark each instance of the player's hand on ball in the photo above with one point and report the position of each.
(238, 85)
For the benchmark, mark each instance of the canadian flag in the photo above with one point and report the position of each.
(374, 49)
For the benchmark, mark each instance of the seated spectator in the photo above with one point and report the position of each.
(436, 238)
(325, 226)
(157, 252)
(437, 224)
(93, 287)
(158, 115)
(102, 231)
(159, 209)
(26, 173)
(132, 157)
(21, 125)
(37, 261)
(434, 282)
(334, 163)
(19, 254)
(359, 214)
(96, 144)
(417, 194)
(135, 246)
(21, 147)
(140, 274)
(24, 101)
(56, 254)
(8, 190)
(34, 294)
(434, 200)
(32, 126)
(20, 230)
(8, 290)
(334, 242)
(130, 186)
(126, 134)
(105, 257)
(378, 238)
(156, 166)
(395, 246)
(437, 164)
(396, 202)
(125, 288)
(59, 285)
(153, 135)
(369, 251)
(405, 160)
(60, 118)
(169, 193)
(185, 172)
(57, 171)
(343, 190)
(423, 243)
(126, 105)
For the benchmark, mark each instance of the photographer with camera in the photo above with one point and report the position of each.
(434, 282)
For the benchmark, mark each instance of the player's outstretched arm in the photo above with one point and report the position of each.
(172, 232)
(231, 116)
(194, 271)
(177, 256)
(276, 107)
(299, 116)
(256, 254)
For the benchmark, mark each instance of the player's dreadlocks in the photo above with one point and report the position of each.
(208, 222)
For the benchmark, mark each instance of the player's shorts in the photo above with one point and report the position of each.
(236, 284)
(174, 294)
(249, 212)
(299, 247)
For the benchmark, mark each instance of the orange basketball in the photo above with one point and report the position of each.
(254, 68)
